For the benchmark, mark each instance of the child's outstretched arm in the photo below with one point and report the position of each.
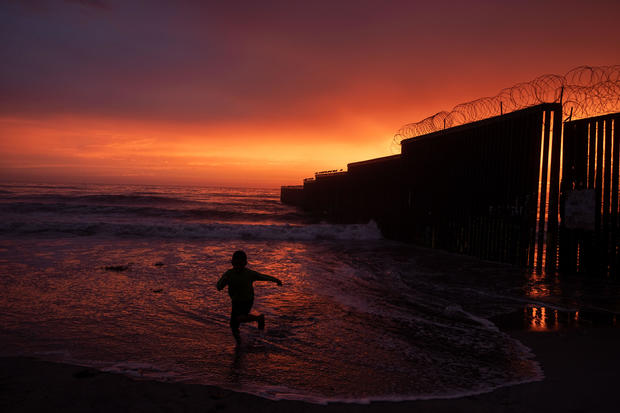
(222, 282)
(263, 277)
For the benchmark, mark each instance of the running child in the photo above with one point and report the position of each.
(241, 291)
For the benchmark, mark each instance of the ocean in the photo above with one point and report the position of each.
(122, 278)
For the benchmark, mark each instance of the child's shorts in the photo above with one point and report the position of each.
(239, 308)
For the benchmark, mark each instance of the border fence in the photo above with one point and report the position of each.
(481, 189)
(523, 187)
(589, 239)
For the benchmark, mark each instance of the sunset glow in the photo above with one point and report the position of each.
(258, 95)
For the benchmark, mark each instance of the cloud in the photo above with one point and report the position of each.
(97, 4)
(262, 61)
(254, 75)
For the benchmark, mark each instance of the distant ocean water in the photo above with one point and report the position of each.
(359, 317)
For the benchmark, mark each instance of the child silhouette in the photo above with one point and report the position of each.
(239, 280)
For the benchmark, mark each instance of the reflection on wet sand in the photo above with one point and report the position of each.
(542, 318)
(539, 318)
(558, 302)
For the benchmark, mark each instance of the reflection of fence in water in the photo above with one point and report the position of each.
(541, 318)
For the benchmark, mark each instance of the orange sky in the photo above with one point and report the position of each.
(263, 93)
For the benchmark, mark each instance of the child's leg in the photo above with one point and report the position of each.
(234, 326)
(242, 310)
(260, 319)
(248, 318)
(241, 314)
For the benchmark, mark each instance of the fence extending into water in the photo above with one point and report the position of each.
(522, 188)
(589, 238)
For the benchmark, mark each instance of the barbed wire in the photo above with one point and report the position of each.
(584, 92)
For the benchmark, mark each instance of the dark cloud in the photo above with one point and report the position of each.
(211, 61)
(98, 4)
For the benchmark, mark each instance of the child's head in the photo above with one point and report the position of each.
(239, 259)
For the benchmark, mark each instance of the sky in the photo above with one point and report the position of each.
(260, 93)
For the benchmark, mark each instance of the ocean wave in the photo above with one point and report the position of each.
(283, 232)
(38, 186)
(257, 195)
(214, 211)
(278, 393)
(137, 198)
(108, 198)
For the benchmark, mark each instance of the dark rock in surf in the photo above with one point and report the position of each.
(117, 268)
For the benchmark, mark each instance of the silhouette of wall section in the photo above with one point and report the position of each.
(590, 240)
(292, 195)
(481, 189)
(474, 189)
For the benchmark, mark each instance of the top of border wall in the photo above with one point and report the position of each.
(482, 122)
(373, 161)
(594, 118)
(325, 174)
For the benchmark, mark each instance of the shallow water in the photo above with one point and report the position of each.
(358, 317)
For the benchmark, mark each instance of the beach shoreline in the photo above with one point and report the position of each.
(580, 367)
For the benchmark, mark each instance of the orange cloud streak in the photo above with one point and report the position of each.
(129, 151)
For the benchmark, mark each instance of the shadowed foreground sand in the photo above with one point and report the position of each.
(581, 368)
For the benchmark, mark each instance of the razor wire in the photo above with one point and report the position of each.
(584, 91)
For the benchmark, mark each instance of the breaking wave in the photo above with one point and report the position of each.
(285, 232)
(108, 198)
(211, 211)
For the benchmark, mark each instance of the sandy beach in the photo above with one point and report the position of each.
(580, 368)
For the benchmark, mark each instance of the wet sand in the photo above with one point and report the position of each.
(581, 368)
